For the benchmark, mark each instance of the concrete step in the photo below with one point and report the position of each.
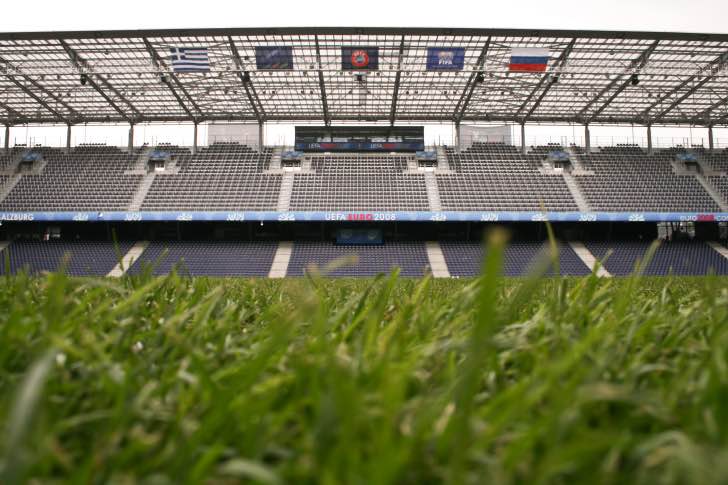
(9, 186)
(279, 268)
(142, 191)
(128, 259)
(438, 265)
(433, 192)
(588, 258)
(714, 194)
(575, 192)
(284, 196)
(720, 249)
(442, 161)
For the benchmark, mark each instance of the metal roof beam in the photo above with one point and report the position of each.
(718, 61)
(415, 31)
(247, 84)
(322, 85)
(470, 85)
(82, 64)
(637, 63)
(704, 116)
(39, 87)
(162, 68)
(398, 77)
(553, 79)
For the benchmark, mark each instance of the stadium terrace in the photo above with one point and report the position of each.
(360, 177)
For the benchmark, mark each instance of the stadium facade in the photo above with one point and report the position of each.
(360, 178)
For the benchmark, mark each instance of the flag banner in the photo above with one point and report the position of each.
(274, 58)
(360, 58)
(189, 59)
(445, 58)
(529, 59)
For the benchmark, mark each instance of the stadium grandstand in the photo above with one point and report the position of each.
(361, 179)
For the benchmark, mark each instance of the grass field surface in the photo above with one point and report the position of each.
(535, 380)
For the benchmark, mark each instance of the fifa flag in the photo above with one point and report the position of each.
(189, 59)
(359, 58)
(445, 58)
(529, 59)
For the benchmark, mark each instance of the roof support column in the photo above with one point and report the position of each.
(587, 139)
(194, 139)
(523, 138)
(261, 141)
(7, 137)
(710, 138)
(131, 137)
(649, 139)
(457, 135)
(68, 138)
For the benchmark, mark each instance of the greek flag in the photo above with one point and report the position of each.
(189, 59)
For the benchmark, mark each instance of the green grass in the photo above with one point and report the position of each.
(177, 380)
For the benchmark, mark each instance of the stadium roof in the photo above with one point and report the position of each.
(591, 78)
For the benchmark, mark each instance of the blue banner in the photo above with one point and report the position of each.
(274, 58)
(366, 216)
(359, 237)
(360, 58)
(445, 58)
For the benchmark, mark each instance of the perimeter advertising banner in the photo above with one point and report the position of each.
(360, 58)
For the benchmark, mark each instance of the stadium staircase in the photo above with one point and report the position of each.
(575, 191)
(438, 265)
(711, 190)
(275, 159)
(3, 245)
(279, 268)
(9, 185)
(284, 197)
(128, 259)
(442, 159)
(142, 191)
(719, 248)
(433, 194)
(588, 258)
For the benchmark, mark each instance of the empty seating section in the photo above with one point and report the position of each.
(678, 258)
(410, 257)
(359, 182)
(465, 258)
(86, 258)
(205, 258)
(498, 177)
(628, 179)
(89, 178)
(222, 176)
(721, 185)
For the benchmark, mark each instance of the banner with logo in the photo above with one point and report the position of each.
(274, 58)
(360, 58)
(445, 58)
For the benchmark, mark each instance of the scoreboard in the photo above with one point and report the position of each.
(360, 138)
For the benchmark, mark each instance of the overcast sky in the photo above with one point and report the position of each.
(709, 16)
(660, 15)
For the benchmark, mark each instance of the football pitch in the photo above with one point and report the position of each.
(387, 380)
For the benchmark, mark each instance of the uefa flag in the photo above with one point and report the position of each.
(189, 59)
(360, 58)
(529, 59)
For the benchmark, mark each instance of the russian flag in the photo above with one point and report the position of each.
(529, 59)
